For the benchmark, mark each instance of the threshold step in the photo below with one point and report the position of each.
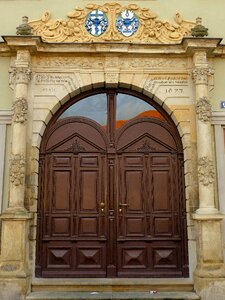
(111, 295)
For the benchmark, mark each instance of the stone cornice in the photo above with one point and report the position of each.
(5, 116)
(35, 45)
(218, 118)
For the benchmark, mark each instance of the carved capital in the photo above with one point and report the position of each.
(203, 109)
(206, 172)
(19, 75)
(20, 108)
(200, 75)
(17, 169)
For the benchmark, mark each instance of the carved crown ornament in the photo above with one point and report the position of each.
(111, 22)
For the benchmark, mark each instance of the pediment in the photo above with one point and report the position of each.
(146, 144)
(76, 144)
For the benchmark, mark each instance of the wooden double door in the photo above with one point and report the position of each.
(111, 200)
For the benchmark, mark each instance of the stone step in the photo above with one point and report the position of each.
(112, 285)
(111, 295)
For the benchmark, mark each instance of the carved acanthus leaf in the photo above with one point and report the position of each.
(206, 172)
(19, 75)
(17, 169)
(200, 75)
(151, 29)
(20, 108)
(204, 109)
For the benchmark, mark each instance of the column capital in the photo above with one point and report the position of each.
(200, 74)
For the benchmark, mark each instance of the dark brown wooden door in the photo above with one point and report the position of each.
(111, 198)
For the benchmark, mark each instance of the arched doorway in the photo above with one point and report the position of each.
(111, 190)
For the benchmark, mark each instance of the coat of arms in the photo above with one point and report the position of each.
(96, 22)
(127, 23)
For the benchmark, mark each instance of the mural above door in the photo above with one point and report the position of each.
(112, 22)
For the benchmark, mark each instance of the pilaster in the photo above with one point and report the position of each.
(210, 266)
(15, 219)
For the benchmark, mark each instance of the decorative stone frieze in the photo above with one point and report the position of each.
(150, 30)
(200, 75)
(206, 172)
(17, 169)
(20, 108)
(203, 109)
(19, 75)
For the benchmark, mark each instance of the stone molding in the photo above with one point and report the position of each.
(20, 108)
(151, 28)
(5, 116)
(206, 172)
(204, 109)
(17, 169)
(200, 75)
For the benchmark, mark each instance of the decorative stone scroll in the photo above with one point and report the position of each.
(20, 108)
(150, 30)
(17, 169)
(203, 109)
(206, 172)
(200, 75)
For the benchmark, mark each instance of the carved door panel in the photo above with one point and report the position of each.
(111, 200)
(150, 220)
(73, 235)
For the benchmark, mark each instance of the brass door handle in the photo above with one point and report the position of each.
(123, 204)
(102, 206)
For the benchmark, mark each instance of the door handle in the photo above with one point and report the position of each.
(121, 205)
(102, 206)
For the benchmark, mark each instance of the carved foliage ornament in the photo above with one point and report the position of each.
(20, 108)
(117, 23)
(206, 172)
(19, 75)
(200, 75)
(203, 109)
(17, 169)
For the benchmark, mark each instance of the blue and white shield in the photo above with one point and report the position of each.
(127, 23)
(96, 22)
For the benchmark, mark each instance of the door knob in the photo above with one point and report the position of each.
(102, 206)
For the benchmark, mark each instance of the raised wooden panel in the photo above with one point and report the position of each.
(88, 226)
(90, 257)
(133, 257)
(134, 189)
(135, 226)
(165, 257)
(60, 226)
(162, 226)
(59, 257)
(64, 161)
(161, 190)
(160, 161)
(61, 193)
(89, 161)
(133, 160)
(88, 191)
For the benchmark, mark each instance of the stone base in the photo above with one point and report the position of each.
(210, 288)
(14, 288)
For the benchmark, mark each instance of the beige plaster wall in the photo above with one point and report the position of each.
(6, 93)
(218, 93)
(212, 12)
(6, 168)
